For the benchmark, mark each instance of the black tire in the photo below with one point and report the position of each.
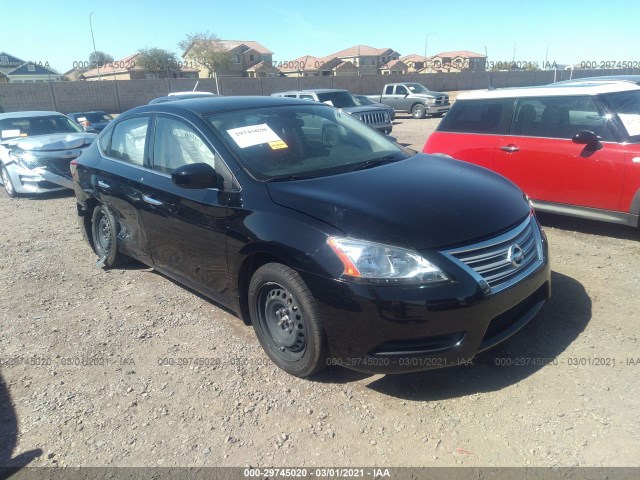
(330, 136)
(418, 111)
(286, 321)
(104, 233)
(7, 183)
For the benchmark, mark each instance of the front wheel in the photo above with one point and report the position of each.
(285, 319)
(6, 181)
(104, 232)
(418, 111)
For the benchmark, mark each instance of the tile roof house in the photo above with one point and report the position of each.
(415, 62)
(456, 61)
(244, 55)
(127, 69)
(16, 70)
(394, 67)
(357, 60)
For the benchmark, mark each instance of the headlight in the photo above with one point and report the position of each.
(431, 100)
(379, 263)
(26, 159)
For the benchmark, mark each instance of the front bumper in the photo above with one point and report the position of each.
(383, 127)
(395, 329)
(431, 109)
(37, 180)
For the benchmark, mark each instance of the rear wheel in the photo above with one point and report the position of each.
(418, 111)
(285, 319)
(104, 231)
(6, 181)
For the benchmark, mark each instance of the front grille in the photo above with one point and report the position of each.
(443, 100)
(504, 260)
(506, 319)
(373, 118)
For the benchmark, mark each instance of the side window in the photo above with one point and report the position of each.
(559, 117)
(400, 90)
(177, 144)
(129, 139)
(104, 140)
(388, 90)
(492, 116)
(306, 97)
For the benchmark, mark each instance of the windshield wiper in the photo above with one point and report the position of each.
(375, 162)
(287, 178)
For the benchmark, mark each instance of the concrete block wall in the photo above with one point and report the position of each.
(120, 95)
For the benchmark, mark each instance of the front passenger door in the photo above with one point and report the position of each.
(186, 228)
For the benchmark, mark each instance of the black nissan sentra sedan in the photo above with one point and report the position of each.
(349, 251)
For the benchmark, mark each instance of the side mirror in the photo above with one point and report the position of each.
(588, 138)
(196, 175)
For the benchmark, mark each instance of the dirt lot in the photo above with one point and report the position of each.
(82, 381)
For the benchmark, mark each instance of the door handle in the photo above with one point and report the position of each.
(510, 148)
(102, 184)
(151, 201)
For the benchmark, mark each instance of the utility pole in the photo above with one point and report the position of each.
(95, 53)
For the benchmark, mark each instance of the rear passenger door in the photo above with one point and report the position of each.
(117, 180)
(186, 228)
(542, 159)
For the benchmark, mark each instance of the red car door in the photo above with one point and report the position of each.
(542, 159)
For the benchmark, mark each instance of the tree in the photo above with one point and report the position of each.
(157, 60)
(99, 59)
(207, 50)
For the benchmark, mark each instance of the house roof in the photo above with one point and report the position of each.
(345, 65)
(11, 60)
(35, 70)
(394, 63)
(459, 53)
(357, 50)
(231, 44)
(414, 57)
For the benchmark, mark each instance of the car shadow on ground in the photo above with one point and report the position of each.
(592, 227)
(9, 436)
(556, 326)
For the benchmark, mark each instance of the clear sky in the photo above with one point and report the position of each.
(568, 32)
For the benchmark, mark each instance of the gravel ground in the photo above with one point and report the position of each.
(82, 381)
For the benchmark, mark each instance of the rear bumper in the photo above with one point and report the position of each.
(389, 329)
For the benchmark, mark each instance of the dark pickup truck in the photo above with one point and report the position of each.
(413, 98)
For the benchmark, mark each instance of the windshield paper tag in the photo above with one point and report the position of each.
(278, 145)
(254, 135)
(631, 122)
(10, 133)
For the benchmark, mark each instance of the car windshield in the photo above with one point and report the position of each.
(93, 117)
(302, 141)
(627, 107)
(362, 100)
(417, 88)
(32, 126)
(337, 99)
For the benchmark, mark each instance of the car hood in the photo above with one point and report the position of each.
(55, 141)
(430, 94)
(423, 202)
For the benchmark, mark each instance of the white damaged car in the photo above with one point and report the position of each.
(36, 149)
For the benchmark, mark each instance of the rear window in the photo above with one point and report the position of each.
(491, 116)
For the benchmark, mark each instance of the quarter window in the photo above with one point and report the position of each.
(479, 116)
(129, 139)
(178, 144)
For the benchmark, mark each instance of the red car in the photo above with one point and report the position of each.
(574, 149)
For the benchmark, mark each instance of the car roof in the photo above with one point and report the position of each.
(604, 78)
(313, 90)
(37, 113)
(197, 92)
(206, 104)
(594, 88)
